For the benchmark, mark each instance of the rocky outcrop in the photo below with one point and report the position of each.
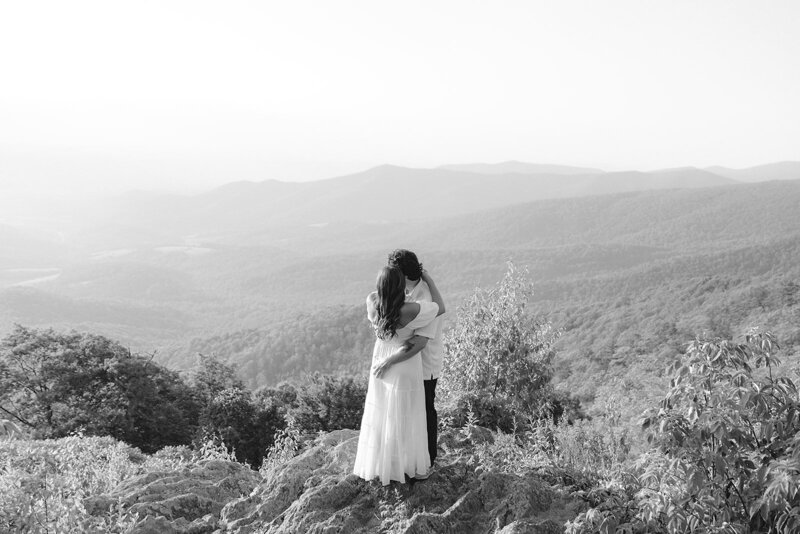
(183, 501)
(316, 492)
(314, 488)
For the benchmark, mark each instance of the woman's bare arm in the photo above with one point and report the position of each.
(435, 295)
(409, 349)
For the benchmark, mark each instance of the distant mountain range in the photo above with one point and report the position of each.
(385, 194)
(784, 170)
(456, 207)
(519, 167)
(270, 212)
(158, 271)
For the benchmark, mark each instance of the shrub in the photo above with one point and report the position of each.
(44, 482)
(478, 409)
(599, 446)
(587, 449)
(614, 507)
(327, 402)
(732, 440)
(498, 352)
(234, 420)
(728, 449)
(287, 444)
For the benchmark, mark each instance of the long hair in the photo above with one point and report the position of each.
(391, 286)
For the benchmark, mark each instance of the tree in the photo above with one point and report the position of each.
(212, 376)
(231, 417)
(245, 423)
(498, 354)
(283, 396)
(326, 402)
(55, 384)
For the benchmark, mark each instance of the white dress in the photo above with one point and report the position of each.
(394, 439)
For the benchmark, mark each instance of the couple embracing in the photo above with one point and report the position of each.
(398, 428)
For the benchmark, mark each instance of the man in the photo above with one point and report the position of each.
(427, 340)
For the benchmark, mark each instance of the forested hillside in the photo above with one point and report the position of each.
(242, 208)
(656, 270)
(333, 340)
(620, 329)
(628, 278)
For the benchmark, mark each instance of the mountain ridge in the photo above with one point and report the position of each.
(520, 167)
(780, 170)
(384, 194)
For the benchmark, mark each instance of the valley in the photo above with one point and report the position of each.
(271, 276)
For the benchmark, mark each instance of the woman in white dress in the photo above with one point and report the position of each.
(393, 441)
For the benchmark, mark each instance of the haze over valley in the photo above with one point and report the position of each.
(271, 275)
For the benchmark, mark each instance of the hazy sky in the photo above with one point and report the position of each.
(169, 94)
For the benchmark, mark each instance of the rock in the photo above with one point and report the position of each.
(532, 526)
(321, 475)
(203, 525)
(316, 492)
(155, 525)
(187, 501)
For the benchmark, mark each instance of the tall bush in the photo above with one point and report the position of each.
(727, 455)
(499, 353)
(231, 416)
(730, 426)
(328, 402)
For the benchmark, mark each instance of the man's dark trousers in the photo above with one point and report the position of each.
(431, 416)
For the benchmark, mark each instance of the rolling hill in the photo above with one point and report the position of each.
(245, 272)
(519, 167)
(382, 195)
(784, 170)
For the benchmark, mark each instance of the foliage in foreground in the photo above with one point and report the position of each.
(727, 456)
(45, 481)
(497, 357)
